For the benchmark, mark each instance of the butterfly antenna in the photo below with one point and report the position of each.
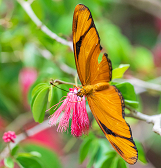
(58, 87)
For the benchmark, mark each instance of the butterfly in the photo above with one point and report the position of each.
(105, 101)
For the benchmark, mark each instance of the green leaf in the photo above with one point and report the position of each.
(39, 105)
(143, 59)
(111, 153)
(118, 46)
(141, 153)
(102, 153)
(35, 153)
(109, 159)
(114, 162)
(55, 99)
(38, 88)
(29, 162)
(14, 150)
(119, 72)
(57, 94)
(94, 148)
(127, 90)
(8, 162)
(121, 163)
(159, 105)
(48, 157)
(128, 93)
(26, 154)
(30, 98)
(84, 149)
(108, 162)
(50, 93)
(131, 103)
(7, 104)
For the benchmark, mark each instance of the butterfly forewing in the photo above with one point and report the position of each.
(86, 43)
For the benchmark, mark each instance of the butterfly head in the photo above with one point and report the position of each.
(80, 93)
(85, 91)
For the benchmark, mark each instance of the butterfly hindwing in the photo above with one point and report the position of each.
(104, 71)
(110, 117)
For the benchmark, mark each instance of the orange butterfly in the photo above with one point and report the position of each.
(105, 101)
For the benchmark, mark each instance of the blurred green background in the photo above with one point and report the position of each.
(130, 33)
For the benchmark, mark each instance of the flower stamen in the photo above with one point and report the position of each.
(56, 104)
(74, 107)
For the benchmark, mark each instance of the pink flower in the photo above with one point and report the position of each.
(77, 105)
(9, 136)
(27, 77)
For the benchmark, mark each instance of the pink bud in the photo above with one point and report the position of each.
(9, 136)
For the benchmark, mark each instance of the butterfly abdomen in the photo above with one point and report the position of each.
(101, 86)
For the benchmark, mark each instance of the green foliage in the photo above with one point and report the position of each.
(50, 93)
(117, 45)
(85, 148)
(125, 88)
(110, 156)
(121, 163)
(131, 103)
(39, 101)
(9, 162)
(47, 155)
(38, 88)
(143, 59)
(141, 153)
(94, 147)
(43, 95)
(35, 157)
(128, 93)
(119, 72)
(159, 105)
(99, 154)
(8, 105)
(56, 96)
(14, 150)
(28, 160)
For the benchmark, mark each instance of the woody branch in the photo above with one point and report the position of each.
(22, 136)
(27, 7)
(64, 67)
(154, 119)
(45, 53)
(153, 7)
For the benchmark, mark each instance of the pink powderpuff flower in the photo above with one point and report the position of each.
(9, 136)
(77, 105)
